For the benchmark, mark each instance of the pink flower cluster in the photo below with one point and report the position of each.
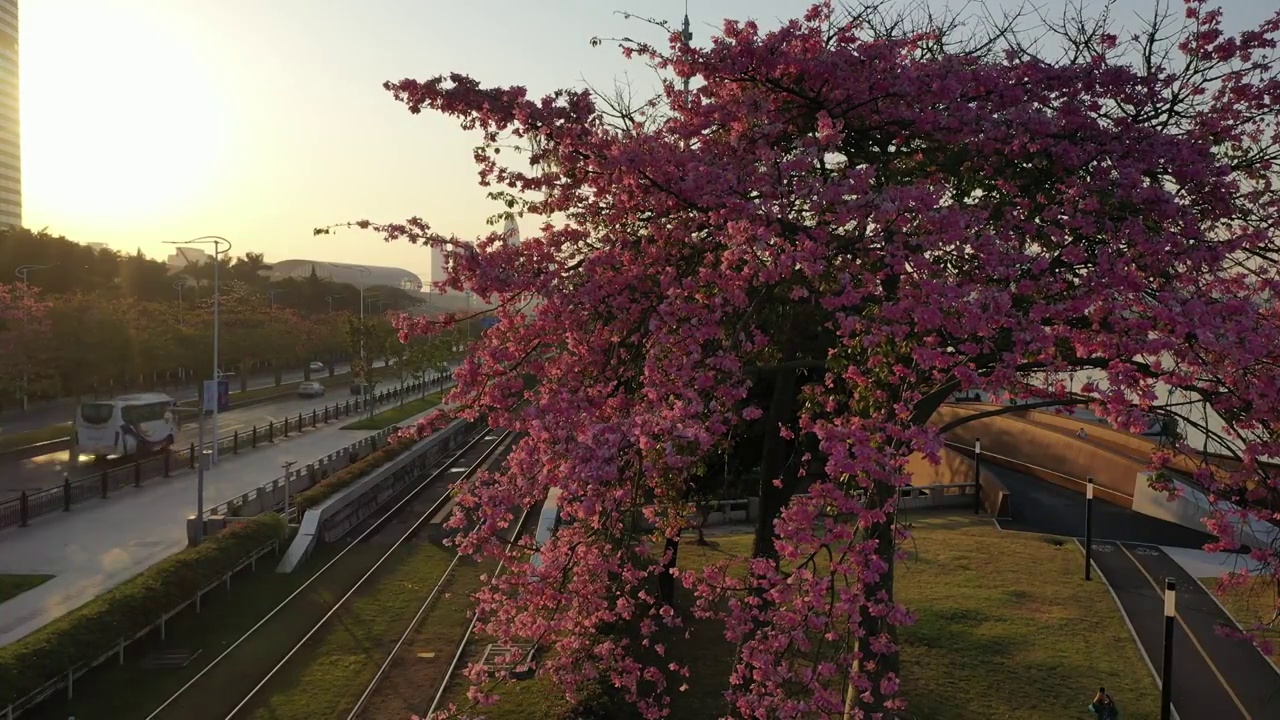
(911, 224)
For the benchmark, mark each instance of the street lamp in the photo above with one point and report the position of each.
(21, 274)
(273, 298)
(178, 286)
(1166, 670)
(364, 271)
(217, 242)
(287, 465)
(331, 298)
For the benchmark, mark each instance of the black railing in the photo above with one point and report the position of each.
(101, 484)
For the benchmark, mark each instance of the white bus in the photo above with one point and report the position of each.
(128, 425)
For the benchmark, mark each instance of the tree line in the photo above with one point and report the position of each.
(97, 321)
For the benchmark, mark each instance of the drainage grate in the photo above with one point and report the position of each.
(504, 657)
(169, 659)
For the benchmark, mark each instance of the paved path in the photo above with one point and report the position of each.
(1214, 677)
(102, 543)
(48, 470)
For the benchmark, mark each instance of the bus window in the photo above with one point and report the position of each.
(97, 413)
(136, 414)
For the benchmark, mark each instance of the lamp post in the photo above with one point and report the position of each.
(364, 382)
(205, 458)
(178, 286)
(21, 274)
(287, 465)
(217, 242)
(272, 293)
(1166, 671)
(1088, 529)
(330, 299)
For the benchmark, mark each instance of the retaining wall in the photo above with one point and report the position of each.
(334, 517)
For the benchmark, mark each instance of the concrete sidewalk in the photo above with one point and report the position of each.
(100, 544)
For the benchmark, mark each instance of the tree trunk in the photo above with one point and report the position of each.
(873, 666)
(876, 667)
(667, 582)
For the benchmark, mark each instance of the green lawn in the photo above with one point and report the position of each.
(1006, 629)
(396, 414)
(1252, 605)
(11, 586)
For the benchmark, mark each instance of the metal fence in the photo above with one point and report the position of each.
(101, 484)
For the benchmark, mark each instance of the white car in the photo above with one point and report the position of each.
(317, 367)
(310, 389)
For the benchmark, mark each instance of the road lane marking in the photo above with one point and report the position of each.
(1177, 614)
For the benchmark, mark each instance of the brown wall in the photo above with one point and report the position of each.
(1046, 451)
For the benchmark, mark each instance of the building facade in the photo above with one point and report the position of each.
(10, 130)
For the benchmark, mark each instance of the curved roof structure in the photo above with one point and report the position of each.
(344, 273)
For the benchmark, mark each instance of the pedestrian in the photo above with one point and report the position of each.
(1104, 706)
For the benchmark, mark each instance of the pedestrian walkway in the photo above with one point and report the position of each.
(100, 544)
(1214, 677)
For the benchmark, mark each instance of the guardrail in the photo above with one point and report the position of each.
(67, 679)
(21, 510)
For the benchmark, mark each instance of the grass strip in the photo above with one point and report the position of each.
(396, 414)
(11, 586)
(1255, 606)
(1006, 628)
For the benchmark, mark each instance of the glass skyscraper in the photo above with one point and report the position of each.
(10, 130)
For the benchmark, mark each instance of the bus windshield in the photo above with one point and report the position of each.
(97, 413)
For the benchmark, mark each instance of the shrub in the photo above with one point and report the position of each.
(325, 489)
(96, 627)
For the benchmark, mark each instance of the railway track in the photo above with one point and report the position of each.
(417, 671)
(237, 683)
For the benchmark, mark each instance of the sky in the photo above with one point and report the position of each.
(146, 121)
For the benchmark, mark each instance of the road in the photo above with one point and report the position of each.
(102, 543)
(49, 470)
(63, 410)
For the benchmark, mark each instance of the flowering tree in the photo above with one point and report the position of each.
(836, 230)
(23, 324)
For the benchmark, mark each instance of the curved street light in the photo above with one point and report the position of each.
(217, 241)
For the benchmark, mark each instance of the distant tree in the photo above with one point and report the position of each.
(23, 327)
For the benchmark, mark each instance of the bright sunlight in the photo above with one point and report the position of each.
(120, 120)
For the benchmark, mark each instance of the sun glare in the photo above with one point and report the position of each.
(120, 119)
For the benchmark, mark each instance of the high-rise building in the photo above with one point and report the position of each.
(10, 131)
